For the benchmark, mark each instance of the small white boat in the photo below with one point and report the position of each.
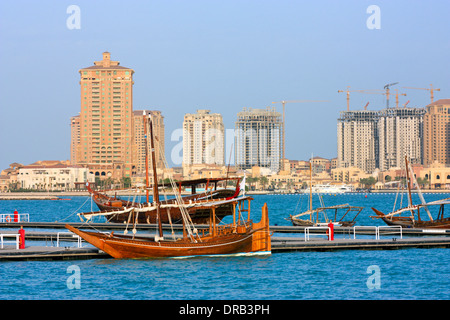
(329, 188)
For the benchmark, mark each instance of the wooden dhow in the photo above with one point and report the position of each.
(414, 219)
(239, 237)
(321, 216)
(117, 210)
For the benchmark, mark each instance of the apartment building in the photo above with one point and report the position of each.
(381, 139)
(400, 134)
(102, 135)
(357, 140)
(258, 139)
(139, 140)
(74, 138)
(203, 138)
(437, 132)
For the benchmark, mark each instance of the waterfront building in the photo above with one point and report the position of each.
(372, 140)
(400, 134)
(105, 122)
(437, 132)
(5, 182)
(139, 140)
(349, 175)
(53, 177)
(74, 138)
(258, 139)
(357, 140)
(203, 138)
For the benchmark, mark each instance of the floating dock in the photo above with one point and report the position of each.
(51, 253)
(281, 244)
(179, 227)
(293, 238)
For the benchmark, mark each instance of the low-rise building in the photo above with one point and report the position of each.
(54, 177)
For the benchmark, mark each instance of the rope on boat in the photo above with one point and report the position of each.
(184, 214)
(76, 210)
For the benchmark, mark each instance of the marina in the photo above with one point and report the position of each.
(308, 251)
(298, 238)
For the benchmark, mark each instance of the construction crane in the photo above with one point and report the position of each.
(396, 97)
(361, 91)
(404, 106)
(431, 91)
(386, 87)
(365, 107)
(283, 103)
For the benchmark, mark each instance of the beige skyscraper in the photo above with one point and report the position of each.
(437, 132)
(106, 119)
(139, 136)
(74, 138)
(203, 138)
(400, 134)
(379, 139)
(259, 139)
(357, 140)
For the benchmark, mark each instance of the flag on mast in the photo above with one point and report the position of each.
(242, 185)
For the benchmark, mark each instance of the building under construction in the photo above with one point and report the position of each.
(379, 139)
(258, 138)
(400, 133)
(357, 139)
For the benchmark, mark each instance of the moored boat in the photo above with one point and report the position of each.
(416, 211)
(116, 209)
(239, 237)
(330, 189)
(320, 216)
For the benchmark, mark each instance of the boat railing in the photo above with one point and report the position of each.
(377, 230)
(224, 229)
(11, 217)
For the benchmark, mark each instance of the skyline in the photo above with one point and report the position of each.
(216, 56)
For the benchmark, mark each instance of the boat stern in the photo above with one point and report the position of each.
(261, 237)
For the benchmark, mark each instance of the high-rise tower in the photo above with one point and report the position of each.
(106, 117)
(259, 139)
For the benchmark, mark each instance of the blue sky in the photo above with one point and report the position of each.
(217, 55)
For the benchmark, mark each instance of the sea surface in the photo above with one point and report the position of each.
(404, 274)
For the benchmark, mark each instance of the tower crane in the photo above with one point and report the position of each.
(396, 97)
(283, 103)
(386, 87)
(431, 91)
(361, 91)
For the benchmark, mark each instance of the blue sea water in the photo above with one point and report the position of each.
(406, 274)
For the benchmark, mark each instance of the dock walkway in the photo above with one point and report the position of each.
(283, 244)
(50, 253)
(47, 244)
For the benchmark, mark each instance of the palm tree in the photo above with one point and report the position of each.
(263, 180)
